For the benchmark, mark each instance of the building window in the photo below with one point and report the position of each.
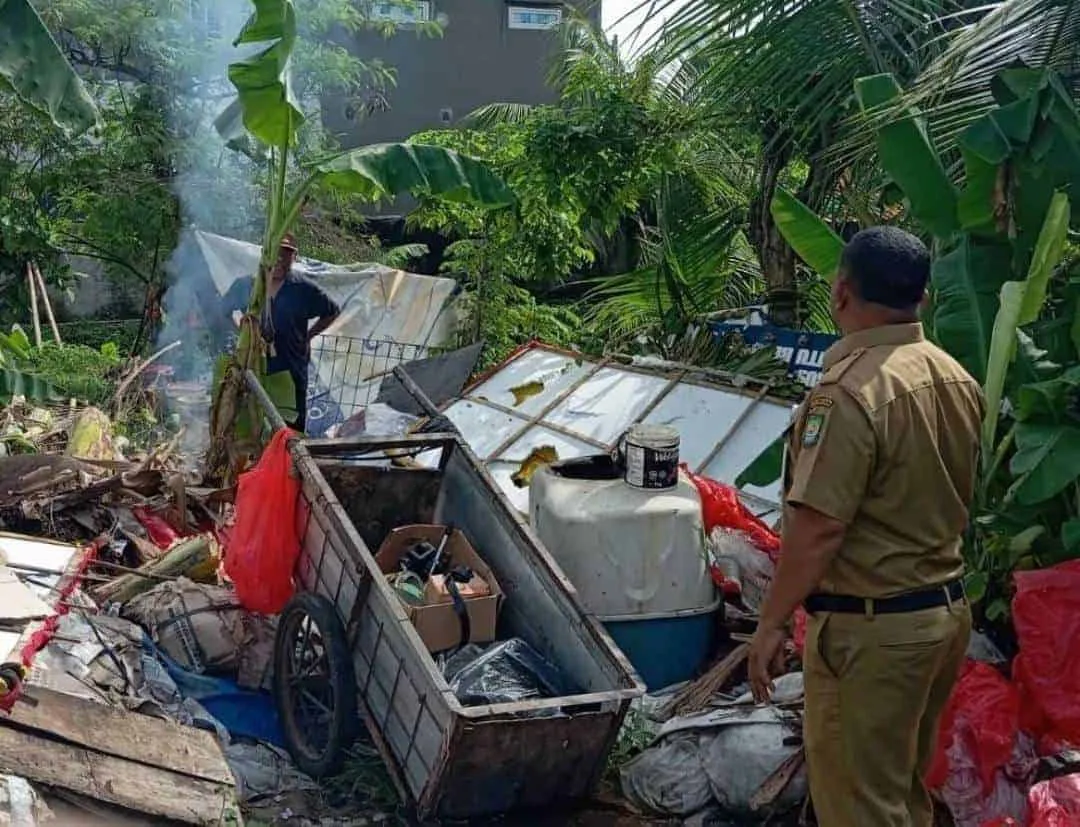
(402, 11)
(535, 17)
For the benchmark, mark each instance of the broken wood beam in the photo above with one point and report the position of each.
(182, 560)
(142, 764)
(47, 302)
(35, 317)
(696, 696)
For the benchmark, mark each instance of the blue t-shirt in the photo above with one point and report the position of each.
(297, 303)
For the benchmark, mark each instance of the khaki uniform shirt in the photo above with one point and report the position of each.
(888, 443)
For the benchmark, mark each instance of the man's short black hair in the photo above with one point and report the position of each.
(887, 266)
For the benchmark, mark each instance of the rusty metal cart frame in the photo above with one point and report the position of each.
(453, 761)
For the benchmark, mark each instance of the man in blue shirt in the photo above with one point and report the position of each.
(292, 302)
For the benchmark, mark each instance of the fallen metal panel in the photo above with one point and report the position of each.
(581, 406)
(441, 378)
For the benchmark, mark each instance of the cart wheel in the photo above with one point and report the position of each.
(314, 684)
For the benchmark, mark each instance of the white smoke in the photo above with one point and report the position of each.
(218, 191)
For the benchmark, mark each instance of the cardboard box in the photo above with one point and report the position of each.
(438, 625)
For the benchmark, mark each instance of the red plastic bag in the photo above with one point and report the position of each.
(1055, 803)
(1046, 614)
(264, 543)
(721, 506)
(158, 529)
(984, 709)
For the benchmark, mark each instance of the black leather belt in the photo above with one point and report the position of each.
(900, 604)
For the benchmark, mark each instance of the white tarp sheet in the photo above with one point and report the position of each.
(581, 407)
(388, 317)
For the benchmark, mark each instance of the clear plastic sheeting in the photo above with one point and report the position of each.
(543, 396)
(377, 419)
(505, 672)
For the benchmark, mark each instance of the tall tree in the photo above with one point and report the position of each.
(787, 67)
(624, 191)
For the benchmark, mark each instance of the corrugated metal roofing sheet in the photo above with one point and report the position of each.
(581, 406)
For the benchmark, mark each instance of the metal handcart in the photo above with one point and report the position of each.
(347, 653)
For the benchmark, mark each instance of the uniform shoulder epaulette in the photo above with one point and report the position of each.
(834, 374)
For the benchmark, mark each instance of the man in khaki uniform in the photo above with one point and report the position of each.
(880, 471)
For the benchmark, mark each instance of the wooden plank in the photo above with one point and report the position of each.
(126, 784)
(126, 735)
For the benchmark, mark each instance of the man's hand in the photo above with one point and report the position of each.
(766, 660)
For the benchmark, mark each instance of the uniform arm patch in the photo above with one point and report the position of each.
(812, 431)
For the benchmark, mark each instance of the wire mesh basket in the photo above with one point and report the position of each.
(347, 372)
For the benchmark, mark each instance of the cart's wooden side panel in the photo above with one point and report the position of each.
(414, 721)
(405, 703)
(322, 569)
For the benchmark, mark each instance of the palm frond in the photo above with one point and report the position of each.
(954, 89)
(695, 260)
(400, 256)
(495, 114)
(797, 59)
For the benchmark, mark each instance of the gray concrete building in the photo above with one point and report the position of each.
(490, 51)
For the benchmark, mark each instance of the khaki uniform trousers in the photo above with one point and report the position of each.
(875, 690)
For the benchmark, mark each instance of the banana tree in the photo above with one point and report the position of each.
(36, 71)
(999, 237)
(263, 121)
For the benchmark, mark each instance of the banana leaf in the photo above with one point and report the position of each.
(14, 344)
(1046, 461)
(265, 102)
(33, 67)
(385, 170)
(1048, 252)
(807, 233)
(1002, 348)
(910, 159)
(966, 282)
(1020, 304)
(282, 392)
(977, 204)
